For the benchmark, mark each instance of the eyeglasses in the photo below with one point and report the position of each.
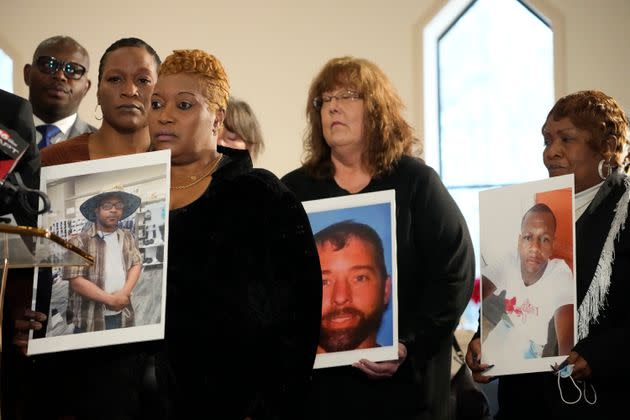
(51, 65)
(345, 96)
(108, 206)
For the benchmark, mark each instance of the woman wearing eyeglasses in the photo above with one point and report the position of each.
(358, 141)
(126, 74)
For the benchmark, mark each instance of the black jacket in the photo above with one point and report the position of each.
(244, 297)
(243, 307)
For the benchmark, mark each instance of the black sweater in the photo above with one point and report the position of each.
(435, 279)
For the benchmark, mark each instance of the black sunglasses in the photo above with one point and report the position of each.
(51, 65)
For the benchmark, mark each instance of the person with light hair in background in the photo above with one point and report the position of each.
(241, 129)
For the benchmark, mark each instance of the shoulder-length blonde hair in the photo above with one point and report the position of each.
(388, 135)
(601, 116)
(240, 119)
(210, 70)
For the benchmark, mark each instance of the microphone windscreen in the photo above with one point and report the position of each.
(12, 148)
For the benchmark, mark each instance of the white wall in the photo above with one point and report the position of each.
(273, 49)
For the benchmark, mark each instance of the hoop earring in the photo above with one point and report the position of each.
(600, 169)
(95, 110)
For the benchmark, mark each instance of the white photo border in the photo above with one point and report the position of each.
(390, 352)
(496, 200)
(121, 335)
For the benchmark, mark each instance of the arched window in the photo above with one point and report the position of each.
(488, 85)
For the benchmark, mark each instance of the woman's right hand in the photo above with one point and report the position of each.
(473, 360)
(31, 321)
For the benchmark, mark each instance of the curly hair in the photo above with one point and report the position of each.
(600, 115)
(207, 67)
(240, 119)
(388, 135)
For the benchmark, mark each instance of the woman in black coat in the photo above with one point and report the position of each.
(585, 134)
(244, 284)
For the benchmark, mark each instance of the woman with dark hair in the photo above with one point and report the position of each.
(585, 134)
(127, 72)
(358, 141)
(107, 382)
(244, 285)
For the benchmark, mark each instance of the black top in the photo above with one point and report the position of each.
(243, 307)
(435, 279)
(244, 296)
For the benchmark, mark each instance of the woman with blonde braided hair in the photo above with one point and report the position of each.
(244, 283)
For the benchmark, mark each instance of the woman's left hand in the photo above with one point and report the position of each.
(581, 369)
(382, 370)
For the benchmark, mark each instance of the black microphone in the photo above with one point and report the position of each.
(12, 148)
(13, 192)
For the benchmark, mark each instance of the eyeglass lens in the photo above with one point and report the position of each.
(51, 65)
(108, 206)
(319, 101)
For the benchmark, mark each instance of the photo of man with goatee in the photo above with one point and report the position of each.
(356, 286)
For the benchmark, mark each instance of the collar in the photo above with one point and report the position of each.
(584, 198)
(235, 162)
(615, 181)
(64, 124)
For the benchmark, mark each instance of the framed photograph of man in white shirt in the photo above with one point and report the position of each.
(528, 276)
(115, 209)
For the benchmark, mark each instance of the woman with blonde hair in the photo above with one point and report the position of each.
(241, 129)
(244, 286)
(358, 141)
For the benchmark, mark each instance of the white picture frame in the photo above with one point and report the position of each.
(378, 211)
(146, 175)
(510, 322)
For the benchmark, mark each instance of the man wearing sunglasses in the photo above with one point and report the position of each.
(57, 81)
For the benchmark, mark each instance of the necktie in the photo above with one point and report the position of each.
(48, 131)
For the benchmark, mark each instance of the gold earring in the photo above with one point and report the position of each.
(95, 114)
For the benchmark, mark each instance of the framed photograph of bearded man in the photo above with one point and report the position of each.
(116, 210)
(528, 289)
(356, 242)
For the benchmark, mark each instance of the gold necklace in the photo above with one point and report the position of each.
(197, 180)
